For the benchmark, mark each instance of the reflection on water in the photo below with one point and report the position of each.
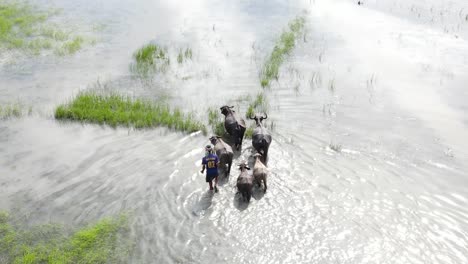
(368, 155)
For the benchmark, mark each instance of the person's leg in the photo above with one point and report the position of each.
(216, 184)
(211, 185)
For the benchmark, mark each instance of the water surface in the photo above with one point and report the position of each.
(368, 162)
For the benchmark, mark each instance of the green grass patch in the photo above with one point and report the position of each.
(249, 131)
(184, 55)
(149, 59)
(103, 242)
(283, 47)
(26, 27)
(17, 23)
(117, 110)
(54, 33)
(71, 46)
(216, 121)
(259, 104)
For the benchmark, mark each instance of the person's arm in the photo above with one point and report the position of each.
(203, 164)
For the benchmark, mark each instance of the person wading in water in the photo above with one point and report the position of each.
(210, 162)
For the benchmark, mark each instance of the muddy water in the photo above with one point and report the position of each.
(368, 163)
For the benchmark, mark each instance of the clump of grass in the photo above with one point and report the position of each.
(283, 47)
(39, 44)
(188, 53)
(216, 122)
(121, 110)
(149, 59)
(249, 132)
(14, 110)
(17, 23)
(180, 58)
(10, 111)
(54, 33)
(72, 46)
(26, 27)
(257, 105)
(103, 242)
(335, 147)
(184, 55)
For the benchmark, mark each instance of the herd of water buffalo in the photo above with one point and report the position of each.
(261, 139)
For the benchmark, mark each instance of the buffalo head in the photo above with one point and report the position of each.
(214, 139)
(257, 155)
(225, 110)
(258, 118)
(243, 166)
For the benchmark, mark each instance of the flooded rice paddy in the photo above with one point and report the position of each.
(368, 114)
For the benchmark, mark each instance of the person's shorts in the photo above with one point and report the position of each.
(211, 177)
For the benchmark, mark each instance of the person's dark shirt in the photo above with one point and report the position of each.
(211, 163)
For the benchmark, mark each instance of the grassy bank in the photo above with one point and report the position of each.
(117, 110)
(283, 47)
(103, 242)
(150, 59)
(27, 27)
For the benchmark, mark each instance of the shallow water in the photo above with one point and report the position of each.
(381, 85)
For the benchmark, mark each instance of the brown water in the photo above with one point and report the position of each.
(383, 87)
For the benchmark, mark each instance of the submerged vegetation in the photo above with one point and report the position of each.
(257, 105)
(215, 121)
(71, 46)
(249, 132)
(283, 47)
(104, 242)
(335, 147)
(14, 110)
(18, 23)
(121, 110)
(26, 27)
(184, 55)
(149, 59)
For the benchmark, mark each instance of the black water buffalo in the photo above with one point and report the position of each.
(245, 182)
(261, 138)
(260, 172)
(234, 125)
(224, 153)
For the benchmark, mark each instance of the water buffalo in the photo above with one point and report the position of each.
(245, 182)
(234, 126)
(224, 153)
(260, 172)
(261, 138)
